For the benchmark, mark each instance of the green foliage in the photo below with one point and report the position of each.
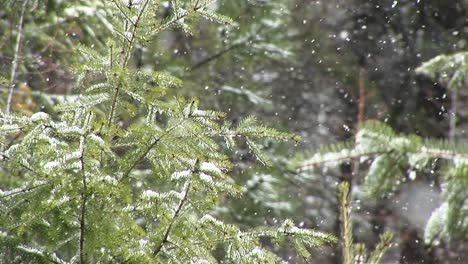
(449, 70)
(398, 158)
(395, 158)
(346, 224)
(358, 252)
(121, 172)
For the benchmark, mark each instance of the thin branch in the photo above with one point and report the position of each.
(362, 96)
(178, 17)
(346, 225)
(306, 165)
(126, 57)
(114, 103)
(22, 190)
(5, 157)
(83, 200)
(181, 248)
(444, 154)
(52, 257)
(123, 12)
(132, 38)
(35, 251)
(217, 55)
(360, 120)
(14, 67)
(254, 234)
(174, 217)
(140, 158)
(453, 115)
(381, 248)
(148, 149)
(241, 235)
(433, 153)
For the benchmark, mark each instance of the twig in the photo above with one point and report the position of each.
(174, 217)
(432, 153)
(5, 157)
(362, 96)
(83, 200)
(125, 58)
(196, 7)
(23, 190)
(217, 55)
(14, 67)
(308, 164)
(346, 225)
(132, 38)
(360, 119)
(123, 12)
(453, 115)
(148, 149)
(52, 257)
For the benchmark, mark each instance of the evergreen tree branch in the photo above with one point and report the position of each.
(432, 152)
(174, 217)
(148, 149)
(217, 55)
(5, 157)
(179, 17)
(360, 256)
(360, 119)
(35, 251)
(313, 162)
(123, 13)
(113, 105)
(14, 67)
(52, 257)
(134, 31)
(126, 56)
(453, 114)
(346, 225)
(384, 244)
(182, 249)
(83, 200)
(22, 190)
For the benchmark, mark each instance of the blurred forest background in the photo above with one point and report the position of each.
(314, 68)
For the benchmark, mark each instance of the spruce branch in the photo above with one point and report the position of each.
(52, 257)
(127, 18)
(360, 119)
(318, 160)
(346, 225)
(126, 57)
(360, 253)
(164, 240)
(133, 34)
(453, 114)
(384, 244)
(84, 190)
(22, 190)
(83, 201)
(180, 16)
(145, 152)
(113, 105)
(14, 67)
(181, 248)
(5, 157)
(351, 154)
(217, 55)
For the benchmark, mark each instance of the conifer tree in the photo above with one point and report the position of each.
(395, 158)
(120, 172)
